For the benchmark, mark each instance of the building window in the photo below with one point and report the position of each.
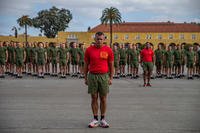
(159, 36)
(137, 37)
(193, 37)
(170, 36)
(126, 37)
(115, 36)
(148, 36)
(181, 36)
(92, 36)
(72, 36)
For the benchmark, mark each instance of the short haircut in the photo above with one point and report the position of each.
(39, 43)
(99, 33)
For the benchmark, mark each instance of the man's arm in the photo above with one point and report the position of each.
(36, 56)
(111, 69)
(138, 56)
(195, 58)
(185, 58)
(14, 56)
(141, 57)
(45, 56)
(67, 57)
(24, 56)
(154, 59)
(118, 58)
(6, 55)
(78, 57)
(86, 72)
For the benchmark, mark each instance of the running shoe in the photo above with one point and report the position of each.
(94, 123)
(144, 85)
(148, 84)
(104, 124)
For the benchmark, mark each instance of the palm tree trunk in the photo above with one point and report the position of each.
(110, 33)
(15, 32)
(26, 38)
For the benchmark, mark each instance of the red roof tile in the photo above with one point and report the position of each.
(149, 27)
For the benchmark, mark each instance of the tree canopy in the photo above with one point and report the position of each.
(51, 21)
(25, 21)
(112, 16)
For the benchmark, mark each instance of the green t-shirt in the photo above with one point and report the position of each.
(81, 54)
(116, 55)
(48, 50)
(68, 49)
(159, 54)
(190, 56)
(122, 53)
(3, 52)
(177, 55)
(164, 51)
(74, 52)
(19, 53)
(11, 53)
(183, 52)
(128, 51)
(53, 52)
(198, 56)
(169, 55)
(134, 55)
(41, 53)
(28, 51)
(62, 53)
(33, 52)
(8, 49)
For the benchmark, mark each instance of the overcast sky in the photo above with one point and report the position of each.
(87, 12)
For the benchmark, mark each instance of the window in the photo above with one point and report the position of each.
(181, 36)
(115, 36)
(72, 36)
(170, 36)
(92, 36)
(137, 37)
(126, 37)
(159, 36)
(193, 37)
(148, 36)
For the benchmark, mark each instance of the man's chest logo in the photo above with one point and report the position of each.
(103, 55)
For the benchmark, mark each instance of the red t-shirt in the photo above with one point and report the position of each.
(147, 55)
(98, 59)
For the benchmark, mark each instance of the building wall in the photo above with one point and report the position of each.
(154, 38)
(30, 39)
(87, 38)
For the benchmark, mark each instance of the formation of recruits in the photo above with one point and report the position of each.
(169, 61)
(37, 59)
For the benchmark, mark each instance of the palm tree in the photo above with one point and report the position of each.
(25, 21)
(112, 16)
(15, 31)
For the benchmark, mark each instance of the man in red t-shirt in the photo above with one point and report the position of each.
(147, 59)
(98, 70)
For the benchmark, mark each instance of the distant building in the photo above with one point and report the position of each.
(134, 32)
(141, 32)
